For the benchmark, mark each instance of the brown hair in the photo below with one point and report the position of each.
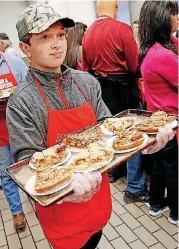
(26, 39)
(74, 41)
(136, 22)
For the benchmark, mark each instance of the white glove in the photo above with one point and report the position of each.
(162, 138)
(84, 187)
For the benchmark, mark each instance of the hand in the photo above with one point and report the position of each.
(84, 187)
(162, 138)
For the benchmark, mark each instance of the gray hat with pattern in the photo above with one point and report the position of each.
(37, 18)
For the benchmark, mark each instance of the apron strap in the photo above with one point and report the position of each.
(65, 103)
(81, 90)
(6, 63)
(40, 90)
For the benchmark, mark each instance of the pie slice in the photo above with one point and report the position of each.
(95, 156)
(51, 178)
(128, 140)
(159, 114)
(116, 124)
(155, 121)
(83, 139)
(49, 157)
(38, 160)
(55, 154)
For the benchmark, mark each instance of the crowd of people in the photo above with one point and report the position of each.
(76, 77)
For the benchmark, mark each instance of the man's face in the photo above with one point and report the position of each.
(2, 47)
(135, 29)
(47, 50)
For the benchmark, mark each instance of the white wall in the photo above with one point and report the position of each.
(9, 13)
(124, 12)
(135, 7)
(79, 11)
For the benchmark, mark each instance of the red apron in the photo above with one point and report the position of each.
(9, 81)
(70, 225)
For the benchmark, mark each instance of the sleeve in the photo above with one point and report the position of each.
(130, 49)
(84, 63)
(22, 68)
(168, 67)
(29, 141)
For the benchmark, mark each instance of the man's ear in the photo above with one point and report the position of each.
(117, 5)
(25, 49)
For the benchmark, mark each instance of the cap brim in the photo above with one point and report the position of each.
(67, 22)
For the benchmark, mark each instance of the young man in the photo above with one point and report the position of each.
(12, 73)
(53, 94)
(52, 101)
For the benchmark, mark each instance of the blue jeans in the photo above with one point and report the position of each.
(9, 187)
(136, 175)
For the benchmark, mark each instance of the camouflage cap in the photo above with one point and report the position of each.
(37, 18)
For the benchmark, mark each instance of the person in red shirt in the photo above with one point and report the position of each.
(110, 53)
(159, 68)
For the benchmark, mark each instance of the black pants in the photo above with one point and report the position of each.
(165, 174)
(93, 241)
(119, 92)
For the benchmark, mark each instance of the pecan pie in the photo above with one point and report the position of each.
(50, 178)
(128, 139)
(83, 139)
(155, 121)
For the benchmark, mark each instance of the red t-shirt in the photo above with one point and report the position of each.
(109, 48)
(160, 74)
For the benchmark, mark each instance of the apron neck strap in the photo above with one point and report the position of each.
(6, 62)
(65, 103)
(40, 90)
(81, 90)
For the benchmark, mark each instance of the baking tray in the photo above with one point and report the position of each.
(20, 172)
(4, 100)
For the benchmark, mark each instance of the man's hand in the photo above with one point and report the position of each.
(84, 187)
(162, 138)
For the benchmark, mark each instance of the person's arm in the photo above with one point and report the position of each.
(167, 67)
(25, 138)
(130, 49)
(22, 69)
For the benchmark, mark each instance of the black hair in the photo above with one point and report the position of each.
(155, 25)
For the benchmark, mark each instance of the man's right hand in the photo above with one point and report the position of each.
(84, 187)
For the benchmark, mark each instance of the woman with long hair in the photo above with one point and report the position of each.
(74, 43)
(158, 59)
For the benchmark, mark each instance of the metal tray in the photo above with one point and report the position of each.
(20, 172)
